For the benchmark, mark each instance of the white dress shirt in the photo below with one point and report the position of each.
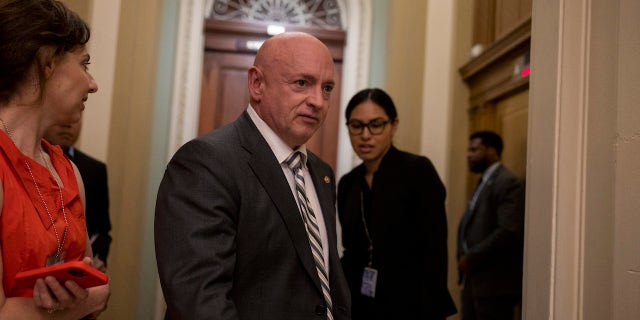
(282, 151)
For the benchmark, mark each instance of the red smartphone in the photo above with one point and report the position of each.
(83, 274)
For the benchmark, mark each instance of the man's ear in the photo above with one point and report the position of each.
(493, 153)
(256, 83)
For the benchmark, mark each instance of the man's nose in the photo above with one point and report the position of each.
(316, 97)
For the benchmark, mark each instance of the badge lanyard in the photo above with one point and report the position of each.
(366, 230)
(370, 274)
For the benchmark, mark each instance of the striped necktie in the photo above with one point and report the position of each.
(295, 161)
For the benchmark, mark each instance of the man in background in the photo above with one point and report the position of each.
(491, 236)
(94, 177)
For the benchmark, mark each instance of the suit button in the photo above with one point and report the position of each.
(321, 310)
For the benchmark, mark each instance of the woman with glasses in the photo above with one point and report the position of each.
(394, 227)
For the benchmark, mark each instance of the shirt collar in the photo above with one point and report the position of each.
(487, 173)
(69, 151)
(280, 149)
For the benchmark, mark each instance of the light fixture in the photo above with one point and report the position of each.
(273, 29)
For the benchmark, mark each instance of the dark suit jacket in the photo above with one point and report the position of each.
(495, 236)
(409, 232)
(94, 177)
(230, 241)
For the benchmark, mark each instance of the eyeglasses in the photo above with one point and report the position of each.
(375, 126)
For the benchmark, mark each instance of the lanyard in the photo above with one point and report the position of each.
(366, 230)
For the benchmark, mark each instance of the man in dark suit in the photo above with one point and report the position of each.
(231, 229)
(94, 177)
(491, 235)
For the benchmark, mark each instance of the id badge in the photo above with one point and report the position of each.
(369, 280)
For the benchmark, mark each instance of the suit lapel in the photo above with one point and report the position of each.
(469, 215)
(269, 172)
(486, 189)
(322, 182)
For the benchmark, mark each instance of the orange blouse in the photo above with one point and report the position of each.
(27, 237)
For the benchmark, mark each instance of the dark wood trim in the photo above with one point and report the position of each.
(519, 37)
(485, 12)
(501, 90)
(490, 76)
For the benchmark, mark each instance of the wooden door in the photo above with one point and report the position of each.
(224, 92)
(229, 52)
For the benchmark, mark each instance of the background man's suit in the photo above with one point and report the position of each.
(225, 206)
(494, 235)
(94, 177)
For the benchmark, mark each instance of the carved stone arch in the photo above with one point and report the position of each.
(324, 14)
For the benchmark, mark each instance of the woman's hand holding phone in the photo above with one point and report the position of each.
(62, 286)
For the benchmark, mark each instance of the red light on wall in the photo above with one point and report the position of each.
(525, 72)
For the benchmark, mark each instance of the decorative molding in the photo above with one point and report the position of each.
(494, 73)
(187, 76)
(515, 39)
(355, 73)
(437, 85)
(324, 14)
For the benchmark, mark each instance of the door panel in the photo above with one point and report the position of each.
(513, 115)
(224, 93)
(325, 141)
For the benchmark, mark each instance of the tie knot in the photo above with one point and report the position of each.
(294, 161)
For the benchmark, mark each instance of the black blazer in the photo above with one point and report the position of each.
(230, 241)
(409, 232)
(94, 177)
(495, 236)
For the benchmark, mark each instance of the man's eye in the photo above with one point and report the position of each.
(301, 83)
(327, 89)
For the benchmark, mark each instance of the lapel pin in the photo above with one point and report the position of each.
(327, 179)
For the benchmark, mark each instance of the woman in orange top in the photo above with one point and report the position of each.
(44, 81)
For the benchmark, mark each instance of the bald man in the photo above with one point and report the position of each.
(239, 234)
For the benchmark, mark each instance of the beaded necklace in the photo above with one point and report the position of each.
(59, 255)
